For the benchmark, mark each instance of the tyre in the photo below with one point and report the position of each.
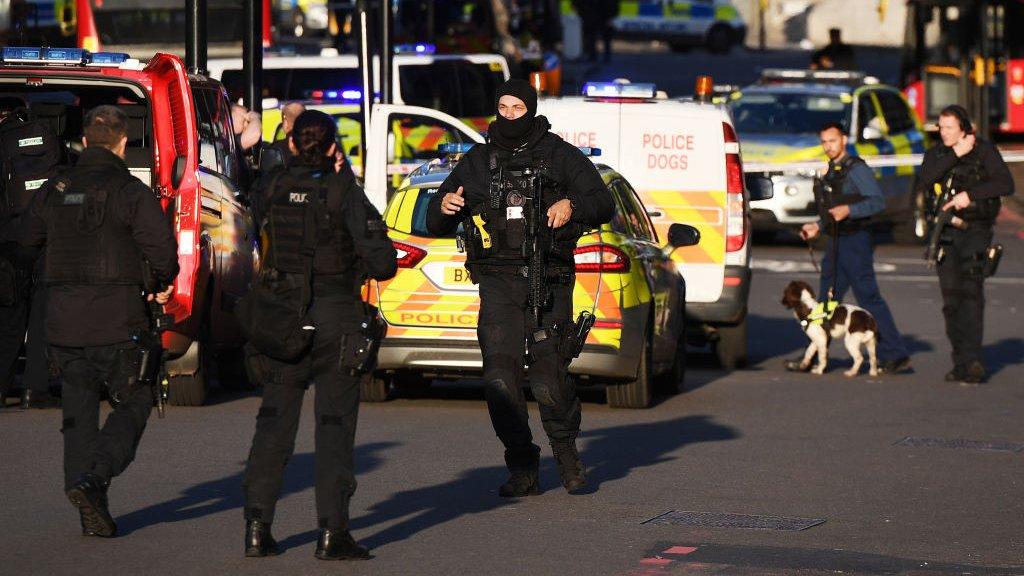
(731, 347)
(189, 390)
(673, 381)
(915, 228)
(374, 388)
(635, 394)
(719, 40)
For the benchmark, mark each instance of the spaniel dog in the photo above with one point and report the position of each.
(855, 325)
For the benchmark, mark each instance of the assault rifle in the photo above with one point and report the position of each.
(151, 350)
(535, 246)
(940, 219)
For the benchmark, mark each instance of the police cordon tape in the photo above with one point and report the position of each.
(880, 161)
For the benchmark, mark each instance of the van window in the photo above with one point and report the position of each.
(457, 87)
(293, 84)
(216, 138)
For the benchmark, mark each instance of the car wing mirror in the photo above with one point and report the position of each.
(759, 186)
(177, 171)
(680, 235)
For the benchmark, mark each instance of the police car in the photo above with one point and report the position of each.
(779, 117)
(180, 142)
(683, 159)
(624, 276)
(683, 24)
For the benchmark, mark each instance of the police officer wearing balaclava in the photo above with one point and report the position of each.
(486, 193)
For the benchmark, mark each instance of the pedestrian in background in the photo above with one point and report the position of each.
(100, 225)
(980, 179)
(847, 196)
(289, 112)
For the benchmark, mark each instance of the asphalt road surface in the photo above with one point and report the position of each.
(904, 474)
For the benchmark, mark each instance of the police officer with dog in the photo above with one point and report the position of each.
(847, 196)
(106, 238)
(322, 239)
(490, 192)
(972, 175)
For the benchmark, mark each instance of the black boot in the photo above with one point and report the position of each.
(524, 477)
(339, 545)
(974, 373)
(89, 495)
(570, 467)
(258, 541)
(956, 374)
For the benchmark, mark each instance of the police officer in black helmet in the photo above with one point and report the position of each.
(576, 199)
(980, 178)
(311, 199)
(99, 224)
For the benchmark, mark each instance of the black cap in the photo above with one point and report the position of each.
(520, 89)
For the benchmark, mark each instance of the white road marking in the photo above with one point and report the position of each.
(884, 270)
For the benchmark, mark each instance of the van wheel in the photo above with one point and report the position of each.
(914, 230)
(673, 381)
(731, 347)
(635, 394)
(189, 390)
(719, 39)
(374, 388)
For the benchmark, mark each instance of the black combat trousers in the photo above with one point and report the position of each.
(13, 320)
(962, 282)
(106, 451)
(334, 313)
(37, 373)
(505, 320)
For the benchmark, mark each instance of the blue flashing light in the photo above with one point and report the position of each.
(619, 90)
(590, 151)
(415, 48)
(348, 95)
(33, 55)
(455, 147)
(355, 95)
(108, 58)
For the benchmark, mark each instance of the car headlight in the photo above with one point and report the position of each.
(792, 190)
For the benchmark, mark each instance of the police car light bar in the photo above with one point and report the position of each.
(348, 95)
(619, 90)
(61, 56)
(415, 49)
(778, 74)
(455, 147)
(590, 151)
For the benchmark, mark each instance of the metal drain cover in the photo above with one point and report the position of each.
(961, 444)
(727, 520)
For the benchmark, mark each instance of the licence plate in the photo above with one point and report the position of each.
(456, 275)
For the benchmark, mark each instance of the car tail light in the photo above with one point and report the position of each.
(408, 256)
(600, 258)
(736, 219)
(608, 323)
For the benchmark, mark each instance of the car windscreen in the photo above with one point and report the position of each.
(417, 223)
(783, 113)
(294, 83)
(461, 88)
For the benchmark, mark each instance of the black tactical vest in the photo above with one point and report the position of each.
(496, 229)
(967, 173)
(85, 243)
(305, 225)
(829, 192)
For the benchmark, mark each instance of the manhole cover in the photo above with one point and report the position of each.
(727, 520)
(961, 444)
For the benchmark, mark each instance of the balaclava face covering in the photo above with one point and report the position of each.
(514, 133)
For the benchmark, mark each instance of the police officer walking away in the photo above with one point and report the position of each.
(980, 177)
(100, 225)
(486, 193)
(318, 223)
(847, 196)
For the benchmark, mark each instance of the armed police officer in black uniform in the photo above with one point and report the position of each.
(100, 226)
(323, 235)
(489, 192)
(974, 171)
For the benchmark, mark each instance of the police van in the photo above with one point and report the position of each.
(683, 24)
(683, 159)
(181, 143)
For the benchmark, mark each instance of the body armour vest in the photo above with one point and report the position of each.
(967, 174)
(497, 228)
(305, 225)
(829, 192)
(85, 241)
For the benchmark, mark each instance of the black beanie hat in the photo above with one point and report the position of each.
(520, 89)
